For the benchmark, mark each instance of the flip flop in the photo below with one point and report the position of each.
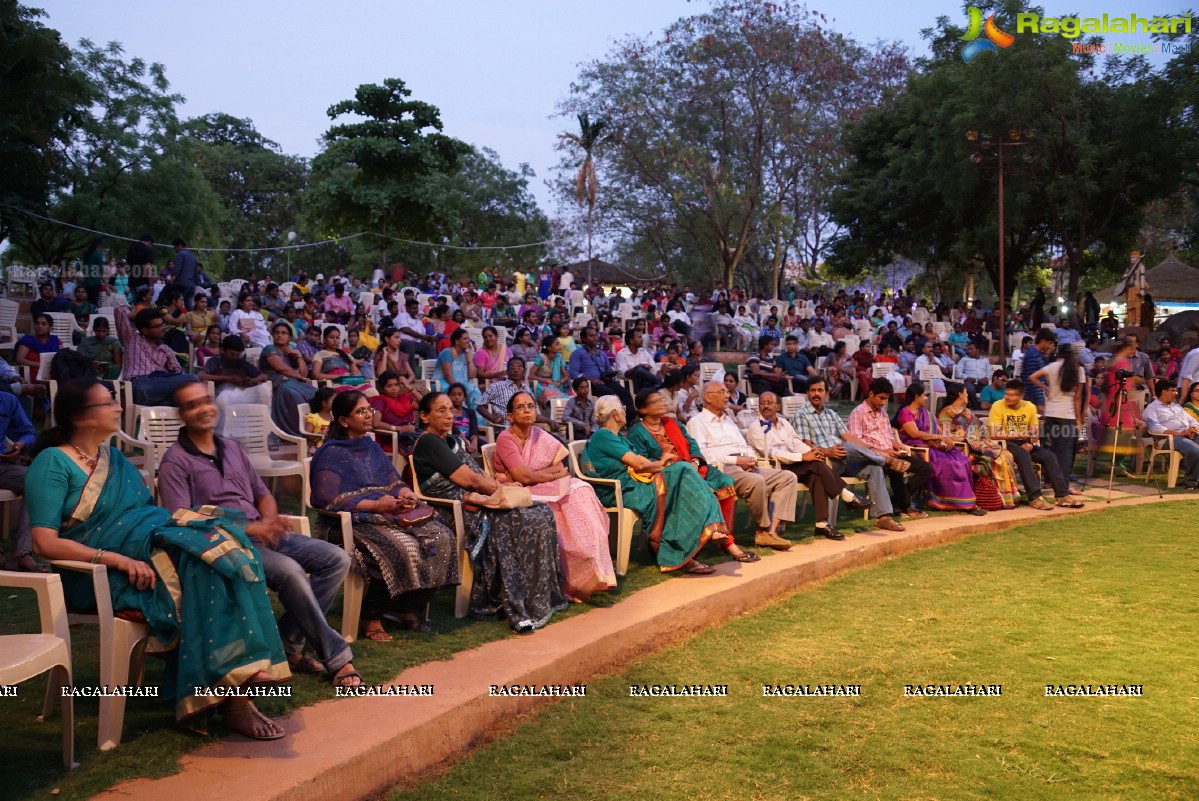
(304, 664)
(700, 570)
(378, 634)
(747, 557)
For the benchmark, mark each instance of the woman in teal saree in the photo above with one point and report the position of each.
(193, 575)
(678, 510)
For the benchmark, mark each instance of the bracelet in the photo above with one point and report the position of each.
(96, 556)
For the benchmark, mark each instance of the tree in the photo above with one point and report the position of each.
(259, 187)
(121, 168)
(1098, 150)
(588, 139)
(371, 174)
(41, 99)
(719, 123)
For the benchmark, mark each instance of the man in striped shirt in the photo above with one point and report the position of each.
(908, 474)
(149, 363)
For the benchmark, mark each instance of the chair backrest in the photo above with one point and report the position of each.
(931, 372)
(488, 452)
(557, 408)
(428, 369)
(107, 314)
(9, 309)
(476, 337)
(345, 339)
(252, 355)
(64, 326)
(501, 333)
(159, 426)
(285, 289)
(710, 371)
(881, 369)
(852, 343)
(575, 449)
(249, 425)
(751, 404)
(792, 405)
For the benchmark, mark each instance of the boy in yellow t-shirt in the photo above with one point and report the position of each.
(1015, 420)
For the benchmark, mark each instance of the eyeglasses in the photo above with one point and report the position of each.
(109, 402)
(718, 392)
(365, 411)
(525, 407)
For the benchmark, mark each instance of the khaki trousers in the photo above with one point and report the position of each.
(769, 493)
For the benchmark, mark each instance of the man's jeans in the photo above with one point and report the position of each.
(1190, 459)
(306, 599)
(1028, 475)
(156, 388)
(865, 464)
(12, 477)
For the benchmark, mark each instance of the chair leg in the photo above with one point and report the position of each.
(1175, 465)
(351, 605)
(60, 678)
(624, 540)
(466, 577)
(117, 656)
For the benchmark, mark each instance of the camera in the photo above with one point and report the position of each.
(1124, 375)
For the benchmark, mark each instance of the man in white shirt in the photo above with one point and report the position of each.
(1188, 372)
(820, 341)
(774, 438)
(975, 372)
(413, 339)
(928, 358)
(769, 493)
(637, 363)
(1165, 416)
(565, 281)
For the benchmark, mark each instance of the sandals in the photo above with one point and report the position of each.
(409, 622)
(278, 733)
(698, 569)
(348, 680)
(374, 630)
(303, 663)
(746, 557)
(900, 466)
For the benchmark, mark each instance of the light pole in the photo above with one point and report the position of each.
(291, 237)
(985, 148)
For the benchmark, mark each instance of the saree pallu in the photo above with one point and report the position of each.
(461, 373)
(399, 411)
(514, 554)
(679, 513)
(994, 469)
(486, 363)
(286, 394)
(424, 557)
(581, 519)
(549, 379)
(951, 486)
(209, 601)
(645, 444)
(337, 364)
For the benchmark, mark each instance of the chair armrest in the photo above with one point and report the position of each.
(614, 482)
(51, 604)
(347, 526)
(283, 435)
(100, 590)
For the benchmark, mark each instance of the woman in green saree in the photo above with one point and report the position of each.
(679, 513)
(193, 575)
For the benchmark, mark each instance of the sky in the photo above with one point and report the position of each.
(495, 69)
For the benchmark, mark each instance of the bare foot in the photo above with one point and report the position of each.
(243, 717)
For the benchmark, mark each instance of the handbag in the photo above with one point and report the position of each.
(508, 496)
(415, 516)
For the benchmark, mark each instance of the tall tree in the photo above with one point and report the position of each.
(41, 98)
(371, 174)
(260, 189)
(588, 139)
(716, 125)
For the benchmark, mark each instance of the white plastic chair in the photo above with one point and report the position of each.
(63, 325)
(9, 310)
(710, 371)
(930, 374)
(625, 517)
(488, 452)
(1163, 445)
(557, 414)
(23, 656)
(250, 425)
(428, 369)
(466, 573)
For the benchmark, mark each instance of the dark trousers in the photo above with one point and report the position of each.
(376, 601)
(644, 378)
(971, 393)
(1060, 437)
(1028, 474)
(417, 351)
(600, 389)
(903, 487)
(780, 388)
(823, 484)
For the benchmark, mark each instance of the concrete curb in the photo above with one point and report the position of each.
(356, 747)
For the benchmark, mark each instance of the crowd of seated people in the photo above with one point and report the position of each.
(439, 370)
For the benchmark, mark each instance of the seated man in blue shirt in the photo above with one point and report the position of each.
(795, 365)
(18, 435)
(202, 469)
(588, 361)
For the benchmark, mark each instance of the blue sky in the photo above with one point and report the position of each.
(495, 69)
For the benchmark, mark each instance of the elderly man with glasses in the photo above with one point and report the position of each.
(770, 493)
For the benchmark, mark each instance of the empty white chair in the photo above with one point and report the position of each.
(23, 656)
(710, 371)
(250, 425)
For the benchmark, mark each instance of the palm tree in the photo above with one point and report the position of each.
(588, 139)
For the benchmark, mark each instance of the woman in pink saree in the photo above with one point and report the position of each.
(527, 455)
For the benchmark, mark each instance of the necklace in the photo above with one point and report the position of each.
(658, 430)
(90, 461)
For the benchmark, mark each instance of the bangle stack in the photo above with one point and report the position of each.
(96, 556)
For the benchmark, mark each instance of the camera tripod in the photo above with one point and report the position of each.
(1121, 400)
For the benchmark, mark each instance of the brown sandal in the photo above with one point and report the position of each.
(374, 630)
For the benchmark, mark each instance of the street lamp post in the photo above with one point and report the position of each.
(986, 147)
(291, 237)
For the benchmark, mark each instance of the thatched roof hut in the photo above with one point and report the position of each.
(610, 274)
(1170, 281)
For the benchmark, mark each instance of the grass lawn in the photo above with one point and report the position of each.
(1094, 600)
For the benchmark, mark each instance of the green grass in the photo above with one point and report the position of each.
(1098, 599)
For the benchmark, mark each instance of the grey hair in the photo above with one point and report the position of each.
(605, 407)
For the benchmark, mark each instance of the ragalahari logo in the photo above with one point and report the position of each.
(995, 36)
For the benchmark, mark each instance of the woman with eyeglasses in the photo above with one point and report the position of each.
(514, 551)
(527, 455)
(678, 511)
(194, 578)
(403, 564)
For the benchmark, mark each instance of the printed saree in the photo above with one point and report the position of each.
(644, 443)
